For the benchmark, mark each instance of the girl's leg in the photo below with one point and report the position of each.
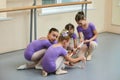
(60, 65)
(37, 56)
(81, 52)
(38, 65)
(70, 46)
(91, 48)
(36, 59)
(26, 66)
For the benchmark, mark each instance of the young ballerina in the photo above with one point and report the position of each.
(54, 57)
(36, 49)
(78, 49)
(72, 34)
(87, 33)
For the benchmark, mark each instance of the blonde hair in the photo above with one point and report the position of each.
(64, 35)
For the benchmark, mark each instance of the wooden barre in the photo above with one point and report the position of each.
(43, 6)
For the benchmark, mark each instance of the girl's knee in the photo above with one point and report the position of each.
(93, 44)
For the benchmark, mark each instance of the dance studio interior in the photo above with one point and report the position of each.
(23, 21)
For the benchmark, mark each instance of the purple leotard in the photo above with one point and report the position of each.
(74, 36)
(36, 45)
(88, 33)
(50, 57)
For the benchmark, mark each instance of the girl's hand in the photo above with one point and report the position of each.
(70, 54)
(86, 41)
(42, 38)
(80, 45)
(74, 50)
(82, 58)
(81, 40)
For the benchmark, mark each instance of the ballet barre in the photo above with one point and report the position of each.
(33, 12)
(43, 6)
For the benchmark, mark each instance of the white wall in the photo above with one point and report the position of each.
(116, 12)
(110, 27)
(15, 33)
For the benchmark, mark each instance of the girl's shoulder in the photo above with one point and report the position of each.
(57, 45)
(74, 35)
(91, 24)
(79, 27)
(44, 41)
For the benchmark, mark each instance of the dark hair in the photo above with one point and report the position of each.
(79, 16)
(53, 29)
(64, 35)
(69, 26)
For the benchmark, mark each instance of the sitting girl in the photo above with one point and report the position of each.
(54, 57)
(36, 49)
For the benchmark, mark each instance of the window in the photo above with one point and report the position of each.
(57, 1)
(3, 16)
(52, 10)
(49, 1)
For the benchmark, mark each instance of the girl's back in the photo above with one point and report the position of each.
(51, 56)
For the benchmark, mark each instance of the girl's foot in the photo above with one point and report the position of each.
(68, 63)
(89, 57)
(60, 71)
(38, 67)
(26, 66)
(83, 63)
(44, 73)
(22, 67)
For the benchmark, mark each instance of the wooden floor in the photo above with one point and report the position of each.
(105, 64)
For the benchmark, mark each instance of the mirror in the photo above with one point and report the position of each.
(116, 12)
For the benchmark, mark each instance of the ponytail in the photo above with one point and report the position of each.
(79, 16)
(81, 13)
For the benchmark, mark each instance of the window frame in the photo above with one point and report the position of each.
(62, 9)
